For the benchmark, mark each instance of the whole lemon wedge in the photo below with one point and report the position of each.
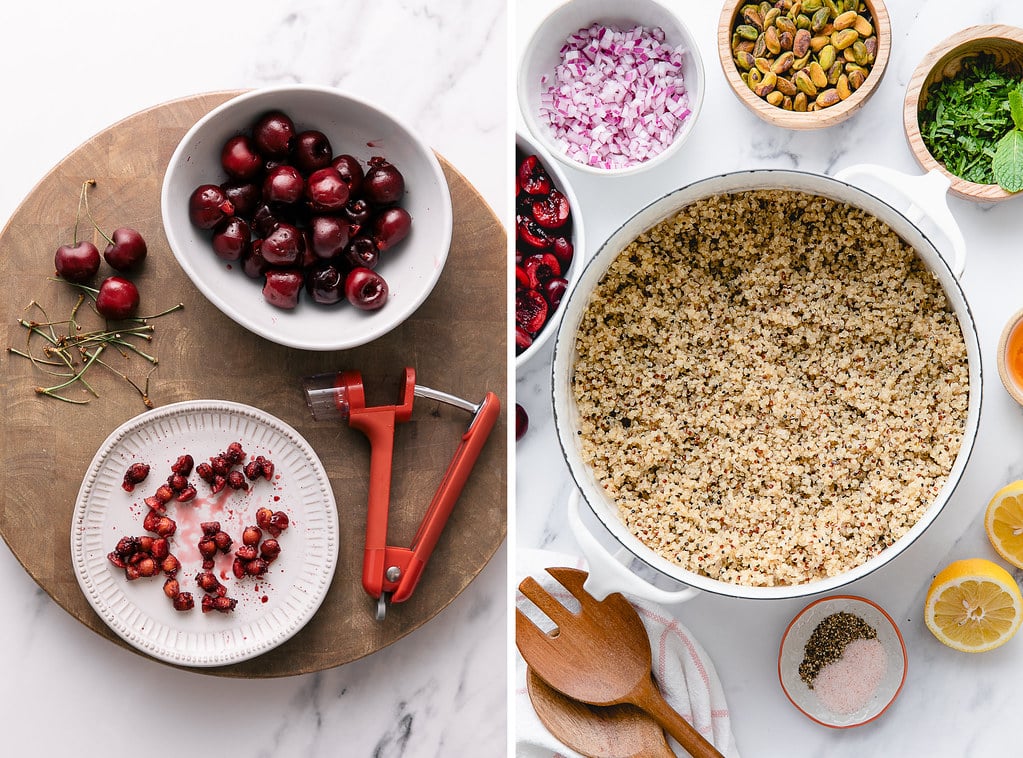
(1003, 522)
(973, 605)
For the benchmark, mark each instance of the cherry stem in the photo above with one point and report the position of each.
(173, 308)
(94, 224)
(91, 291)
(51, 391)
(59, 350)
(143, 393)
(82, 198)
(33, 358)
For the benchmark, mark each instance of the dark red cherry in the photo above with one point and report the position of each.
(231, 238)
(78, 262)
(244, 196)
(554, 291)
(365, 289)
(273, 134)
(311, 151)
(532, 177)
(531, 235)
(358, 211)
(328, 235)
(530, 310)
(282, 288)
(241, 159)
(563, 251)
(126, 251)
(326, 190)
(264, 220)
(208, 206)
(539, 268)
(523, 339)
(284, 184)
(283, 246)
(384, 184)
(362, 251)
(521, 422)
(117, 298)
(253, 263)
(326, 285)
(390, 227)
(552, 212)
(351, 171)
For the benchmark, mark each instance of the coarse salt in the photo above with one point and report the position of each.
(848, 684)
(617, 98)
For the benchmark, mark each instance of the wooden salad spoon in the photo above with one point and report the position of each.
(600, 655)
(607, 731)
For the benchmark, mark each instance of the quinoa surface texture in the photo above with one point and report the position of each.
(772, 387)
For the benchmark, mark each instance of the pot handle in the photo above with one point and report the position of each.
(927, 194)
(607, 574)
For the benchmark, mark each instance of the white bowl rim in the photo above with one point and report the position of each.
(696, 94)
(226, 306)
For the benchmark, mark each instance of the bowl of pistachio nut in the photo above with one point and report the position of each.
(804, 64)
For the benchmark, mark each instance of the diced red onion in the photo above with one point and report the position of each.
(617, 98)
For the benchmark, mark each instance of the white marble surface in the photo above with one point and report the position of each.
(953, 704)
(71, 70)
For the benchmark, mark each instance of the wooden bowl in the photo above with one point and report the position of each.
(819, 119)
(1008, 349)
(1005, 43)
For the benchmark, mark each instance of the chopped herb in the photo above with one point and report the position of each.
(965, 116)
(1008, 160)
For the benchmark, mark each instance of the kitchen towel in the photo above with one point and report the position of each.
(684, 672)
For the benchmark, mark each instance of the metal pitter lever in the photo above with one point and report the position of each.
(387, 571)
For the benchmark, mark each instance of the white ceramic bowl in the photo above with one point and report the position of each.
(353, 126)
(530, 146)
(793, 648)
(542, 56)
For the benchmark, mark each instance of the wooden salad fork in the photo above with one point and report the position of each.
(600, 655)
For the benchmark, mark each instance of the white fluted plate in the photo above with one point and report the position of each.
(270, 609)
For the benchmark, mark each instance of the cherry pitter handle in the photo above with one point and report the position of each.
(388, 572)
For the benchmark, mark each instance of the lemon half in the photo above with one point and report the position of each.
(973, 605)
(1003, 523)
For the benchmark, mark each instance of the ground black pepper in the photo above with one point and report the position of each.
(827, 642)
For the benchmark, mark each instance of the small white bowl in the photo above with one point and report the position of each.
(793, 646)
(353, 126)
(542, 56)
(530, 146)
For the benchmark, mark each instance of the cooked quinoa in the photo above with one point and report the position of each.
(772, 387)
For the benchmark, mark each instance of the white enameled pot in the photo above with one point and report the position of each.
(926, 196)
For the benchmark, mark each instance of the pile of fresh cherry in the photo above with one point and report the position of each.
(78, 262)
(297, 215)
(543, 248)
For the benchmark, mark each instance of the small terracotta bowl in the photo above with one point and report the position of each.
(818, 119)
(1005, 43)
(793, 648)
(1009, 343)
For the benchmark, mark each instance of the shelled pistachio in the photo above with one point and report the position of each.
(804, 55)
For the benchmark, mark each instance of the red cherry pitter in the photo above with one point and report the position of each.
(388, 572)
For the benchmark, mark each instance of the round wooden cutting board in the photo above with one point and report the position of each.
(456, 342)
